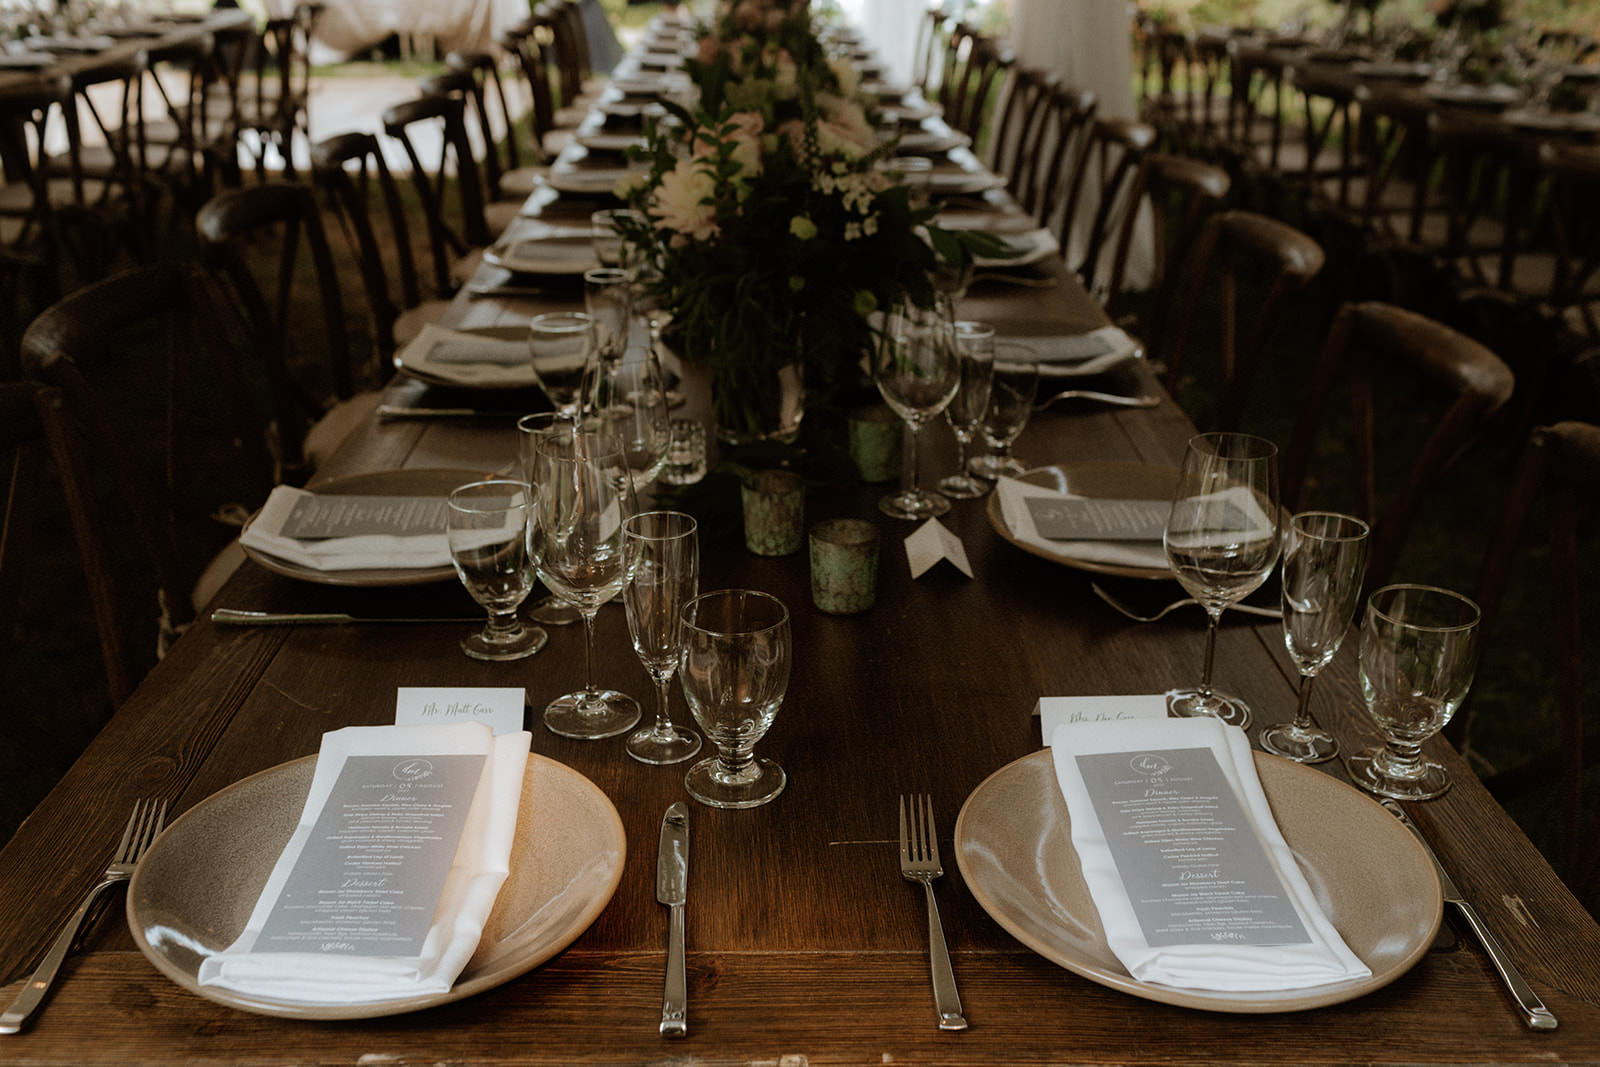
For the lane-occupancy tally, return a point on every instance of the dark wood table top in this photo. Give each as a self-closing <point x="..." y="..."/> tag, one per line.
<point x="805" y="944"/>
<point x="17" y="82"/>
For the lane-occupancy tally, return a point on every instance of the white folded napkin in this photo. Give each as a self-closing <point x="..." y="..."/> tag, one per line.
<point x="1301" y="948"/>
<point x="1013" y="496"/>
<point x="1076" y="355"/>
<point x="468" y="358"/>
<point x="367" y="551"/>
<point x="482" y="862"/>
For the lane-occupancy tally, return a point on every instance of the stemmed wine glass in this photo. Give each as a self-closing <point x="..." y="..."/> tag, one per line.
<point x="1222" y="540"/>
<point x="735" y="672"/>
<point x="1324" y="562"/>
<point x="916" y="369"/>
<point x="1419" y="650"/>
<point x="624" y="395"/>
<point x="1011" y="392"/>
<point x="487" y="527"/>
<point x="663" y="559"/>
<point x="975" y="347"/>
<point x="583" y="500"/>
<point x="549" y="610"/>
<point x="608" y="301"/>
<point x="560" y="345"/>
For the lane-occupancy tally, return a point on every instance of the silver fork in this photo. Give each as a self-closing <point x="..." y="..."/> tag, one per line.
<point x="1118" y="399"/>
<point x="919" y="862"/>
<point x="143" y="827"/>
<point x="1123" y="609"/>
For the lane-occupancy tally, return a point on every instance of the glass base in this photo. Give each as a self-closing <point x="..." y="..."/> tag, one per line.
<point x="1310" y="744"/>
<point x="963" y="487"/>
<point x="673" y="744"/>
<point x="518" y="643"/>
<point x="1189" y="704"/>
<point x="760" y="782"/>
<point x="552" y="611"/>
<point x="913" y="504"/>
<point x="992" y="467"/>
<point x="1377" y="771"/>
<point x="590" y="715"/>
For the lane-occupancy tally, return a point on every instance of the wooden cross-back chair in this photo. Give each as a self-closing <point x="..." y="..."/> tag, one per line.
<point x="1053" y="154"/>
<point x="980" y="66"/>
<point x="1234" y="246"/>
<point x="1014" y="145"/>
<point x="172" y="146"/>
<point x="138" y="376"/>
<point x="537" y="65"/>
<point x="313" y="393"/>
<point x="1110" y="170"/>
<point x="928" y="49"/>
<point x="1182" y="193"/>
<point x="447" y="240"/>
<point x="505" y="178"/>
<point x="1367" y="349"/>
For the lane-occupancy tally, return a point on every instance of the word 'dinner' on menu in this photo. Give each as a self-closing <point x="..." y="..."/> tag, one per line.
<point x="1193" y="867"/>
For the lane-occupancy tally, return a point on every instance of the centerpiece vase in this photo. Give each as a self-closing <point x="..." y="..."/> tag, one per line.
<point x="759" y="401"/>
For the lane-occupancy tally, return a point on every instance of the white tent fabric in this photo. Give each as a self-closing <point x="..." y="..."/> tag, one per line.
<point x="350" y="26"/>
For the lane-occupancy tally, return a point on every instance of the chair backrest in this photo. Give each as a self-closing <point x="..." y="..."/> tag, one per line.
<point x="928" y="49"/>
<point x="982" y="67"/>
<point x="1023" y="100"/>
<point x="500" y="152"/>
<point x="138" y="378"/>
<point x="1182" y="193"/>
<point x="302" y="384"/>
<point x="1573" y="176"/>
<point x="1489" y="195"/>
<point x="570" y="49"/>
<point x="1232" y="246"/>
<point x="1373" y="346"/>
<point x="1111" y="172"/>
<point x="535" y="61"/>
<point x="1056" y="149"/>
<point x="446" y="240"/>
<point x="1398" y="156"/>
<point x="350" y="168"/>
<point x="1561" y="466"/>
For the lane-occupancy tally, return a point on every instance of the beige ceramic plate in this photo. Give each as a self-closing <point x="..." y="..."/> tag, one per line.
<point x="1013" y="842"/>
<point x="197" y="885"/>
<point x="1097" y="480"/>
<point x="379" y="483"/>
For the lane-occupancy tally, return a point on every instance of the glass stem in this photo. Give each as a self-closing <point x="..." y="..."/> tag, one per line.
<point x="663" y="718"/>
<point x="502" y="623"/>
<point x="1302" y="714"/>
<point x="1405" y="759"/>
<point x="1212" y="618"/>
<point x="910" y="468"/>
<point x="588" y="650"/>
<point x="961" y="453"/>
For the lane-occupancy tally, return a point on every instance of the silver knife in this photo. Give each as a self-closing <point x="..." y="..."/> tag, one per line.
<point x="672" y="885"/>
<point x="395" y="411"/>
<point x="237" y="617"/>
<point x="1534" y="1013"/>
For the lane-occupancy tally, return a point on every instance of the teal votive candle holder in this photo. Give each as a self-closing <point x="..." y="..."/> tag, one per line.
<point x="774" y="510"/>
<point x="844" y="566"/>
<point x="876" y="433"/>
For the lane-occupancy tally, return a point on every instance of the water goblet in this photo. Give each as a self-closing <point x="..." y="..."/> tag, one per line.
<point x="560" y="345"/>
<point x="1324" y="562"/>
<point x="583" y="500"/>
<point x="917" y="372"/>
<point x="1419" y="650"/>
<point x="487" y="528"/>
<point x="549" y="610"/>
<point x="624" y="396"/>
<point x="1222" y="540"/>
<point x="608" y="301"/>
<point x="975" y="347"/>
<point x="1014" y="385"/>
<point x="663" y="560"/>
<point x="735" y="672"/>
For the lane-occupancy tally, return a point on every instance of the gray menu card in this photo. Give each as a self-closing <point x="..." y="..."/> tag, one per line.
<point x="1193" y="868"/>
<point x="316" y="516"/>
<point x="368" y="881"/>
<point x="1079" y="519"/>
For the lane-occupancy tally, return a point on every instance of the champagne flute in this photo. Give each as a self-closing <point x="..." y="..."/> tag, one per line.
<point x="560" y="345"/>
<point x="975" y="347"/>
<point x="624" y="396"/>
<point x="1011" y="392"/>
<point x="487" y="527"/>
<point x="1419" y="650"/>
<point x="735" y="672"/>
<point x="584" y="498"/>
<point x="608" y="301"/>
<point x="1222" y="540"/>
<point x="663" y="560"/>
<point x="916" y="370"/>
<point x="549" y="610"/>
<point x="1324" y="562"/>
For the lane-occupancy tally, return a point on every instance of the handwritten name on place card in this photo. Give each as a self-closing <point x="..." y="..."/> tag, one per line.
<point x="1059" y="711"/>
<point x="501" y="709"/>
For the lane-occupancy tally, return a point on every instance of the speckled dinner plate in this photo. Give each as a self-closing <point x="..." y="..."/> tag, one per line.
<point x="1013" y="841"/>
<point x="196" y="887"/>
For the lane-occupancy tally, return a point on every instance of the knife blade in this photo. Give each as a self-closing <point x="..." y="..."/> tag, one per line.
<point x="238" y="617"/>
<point x="1534" y="1013"/>
<point x="672" y="886"/>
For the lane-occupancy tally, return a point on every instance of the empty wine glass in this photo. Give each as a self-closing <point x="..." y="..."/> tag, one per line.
<point x="1419" y="650"/>
<point x="583" y="500"/>
<point x="1324" y="562"/>
<point x="1222" y="540"/>
<point x="560" y="345"/>
<point x="608" y="301"/>
<point x="735" y="672"/>
<point x="975" y="348"/>
<point x="487" y="527"/>
<point x="623" y="395"/>
<point x="549" y="610"/>
<point x="663" y="560"/>
<point x="1011" y="391"/>
<point x="916" y="369"/>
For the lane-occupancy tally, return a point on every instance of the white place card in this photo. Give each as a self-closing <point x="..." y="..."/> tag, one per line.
<point x="932" y="542"/>
<point x="501" y="709"/>
<point x="1057" y="711"/>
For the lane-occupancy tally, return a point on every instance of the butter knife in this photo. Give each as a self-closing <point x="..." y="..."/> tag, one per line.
<point x="237" y="617"/>
<point x="672" y="885"/>
<point x="1534" y="1013"/>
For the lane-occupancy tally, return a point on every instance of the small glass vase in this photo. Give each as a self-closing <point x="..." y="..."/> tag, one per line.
<point x="759" y="403"/>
